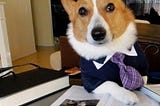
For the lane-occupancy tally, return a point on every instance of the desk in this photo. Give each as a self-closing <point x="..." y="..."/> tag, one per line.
<point x="106" y="99"/>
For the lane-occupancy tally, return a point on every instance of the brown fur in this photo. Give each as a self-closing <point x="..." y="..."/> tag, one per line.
<point x="117" y="20"/>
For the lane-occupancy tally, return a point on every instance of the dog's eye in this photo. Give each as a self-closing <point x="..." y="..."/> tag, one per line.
<point x="110" y="7"/>
<point x="83" y="11"/>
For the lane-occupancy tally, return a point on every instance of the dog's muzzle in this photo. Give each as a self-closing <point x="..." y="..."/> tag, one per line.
<point x="98" y="34"/>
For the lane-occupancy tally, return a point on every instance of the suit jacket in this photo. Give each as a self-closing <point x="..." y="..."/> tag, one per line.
<point x="92" y="76"/>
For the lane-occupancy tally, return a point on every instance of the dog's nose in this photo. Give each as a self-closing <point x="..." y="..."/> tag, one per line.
<point x="98" y="33"/>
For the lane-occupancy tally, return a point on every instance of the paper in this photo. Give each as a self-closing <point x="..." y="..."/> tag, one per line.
<point x="71" y="102"/>
<point x="152" y="90"/>
<point x="79" y="93"/>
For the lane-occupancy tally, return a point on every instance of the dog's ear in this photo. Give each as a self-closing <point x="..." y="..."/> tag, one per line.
<point x="69" y="7"/>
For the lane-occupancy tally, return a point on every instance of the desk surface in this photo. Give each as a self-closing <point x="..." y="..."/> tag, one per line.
<point x="47" y="101"/>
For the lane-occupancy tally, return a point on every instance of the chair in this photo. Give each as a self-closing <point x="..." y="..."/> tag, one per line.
<point x="142" y="21"/>
<point x="66" y="57"/>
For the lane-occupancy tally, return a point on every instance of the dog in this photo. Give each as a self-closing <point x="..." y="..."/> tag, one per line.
<point x="102" y="28"/>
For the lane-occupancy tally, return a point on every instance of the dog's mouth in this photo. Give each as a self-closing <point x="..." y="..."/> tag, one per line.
<point x="98" y="36"/>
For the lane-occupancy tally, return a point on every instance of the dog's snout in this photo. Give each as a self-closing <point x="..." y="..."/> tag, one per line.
<point x="98" y="33"/>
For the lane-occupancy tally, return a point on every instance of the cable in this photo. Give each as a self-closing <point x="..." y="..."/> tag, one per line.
<point x="11" y="67"/>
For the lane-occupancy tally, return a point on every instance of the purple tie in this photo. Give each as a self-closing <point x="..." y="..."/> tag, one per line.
<point x="130" y="77"/>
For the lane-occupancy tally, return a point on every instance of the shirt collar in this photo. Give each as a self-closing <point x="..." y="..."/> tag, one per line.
<point x="131" y="52"/>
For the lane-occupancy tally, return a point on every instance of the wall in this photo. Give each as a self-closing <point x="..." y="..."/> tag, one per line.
<point x="20" y="28"/>
<point x="42" y="22"/>
<point x="5" y="55"/>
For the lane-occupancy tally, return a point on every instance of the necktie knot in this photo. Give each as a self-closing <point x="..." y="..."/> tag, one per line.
<point x="118" y="58"/>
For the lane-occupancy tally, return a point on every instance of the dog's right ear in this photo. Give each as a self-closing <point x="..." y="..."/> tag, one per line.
<point x="69" y="7"/>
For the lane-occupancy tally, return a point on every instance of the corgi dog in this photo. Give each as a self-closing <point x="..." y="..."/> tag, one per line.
<point x="101" y="28"/>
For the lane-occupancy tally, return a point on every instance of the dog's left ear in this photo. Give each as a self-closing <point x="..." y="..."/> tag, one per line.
<point x="69" y="7"/>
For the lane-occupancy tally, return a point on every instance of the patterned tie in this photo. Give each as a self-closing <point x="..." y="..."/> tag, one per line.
<point x="130" y="77"/>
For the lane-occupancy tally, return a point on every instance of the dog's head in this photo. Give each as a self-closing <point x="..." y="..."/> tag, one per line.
<point x="99" y="27"/>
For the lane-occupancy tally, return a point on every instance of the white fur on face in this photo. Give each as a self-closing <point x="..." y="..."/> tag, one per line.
<point x="97" y="21"/>
<point x="89" y="51"/>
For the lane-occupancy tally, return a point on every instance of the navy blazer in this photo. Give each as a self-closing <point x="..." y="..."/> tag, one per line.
<point x="93" y="77"/>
